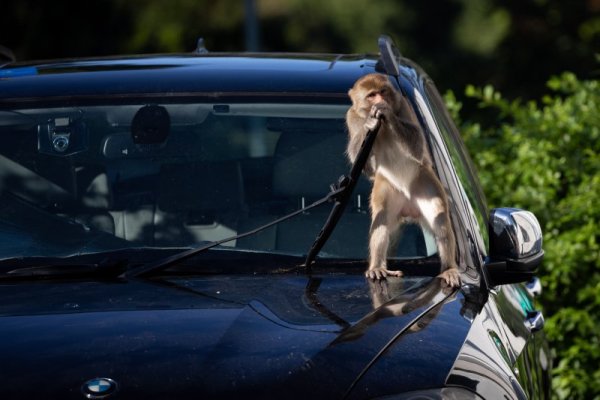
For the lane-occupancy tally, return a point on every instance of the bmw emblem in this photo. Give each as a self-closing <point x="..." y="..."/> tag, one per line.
<point x="99" y="388"/>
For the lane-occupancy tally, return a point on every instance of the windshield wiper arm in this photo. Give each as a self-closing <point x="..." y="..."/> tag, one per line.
<point x="345" y="186"/>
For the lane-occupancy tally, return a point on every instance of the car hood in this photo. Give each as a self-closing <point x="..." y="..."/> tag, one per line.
<point x="229" y="336"/>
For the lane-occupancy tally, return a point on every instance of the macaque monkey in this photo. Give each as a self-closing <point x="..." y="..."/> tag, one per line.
<point x="405" y="186"/>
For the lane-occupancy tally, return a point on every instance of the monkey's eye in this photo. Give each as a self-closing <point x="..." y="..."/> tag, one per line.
<point x="371" y="95"/>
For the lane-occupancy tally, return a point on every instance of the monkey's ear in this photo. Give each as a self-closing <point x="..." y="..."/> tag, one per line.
<point x="353" y="93"/>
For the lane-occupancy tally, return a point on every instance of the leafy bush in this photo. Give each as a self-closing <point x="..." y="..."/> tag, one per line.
<point x="544" y="156"/>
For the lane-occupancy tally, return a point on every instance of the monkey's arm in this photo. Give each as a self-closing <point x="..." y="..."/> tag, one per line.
<point x="404" y="124"/>
<point x="357" y="130"/>
<point x="354" y="143"/>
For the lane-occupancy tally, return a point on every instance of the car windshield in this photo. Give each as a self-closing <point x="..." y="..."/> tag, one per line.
<point x="85" y="179"/>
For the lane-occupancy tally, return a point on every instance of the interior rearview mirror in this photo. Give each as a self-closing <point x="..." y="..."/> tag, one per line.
<point x="515" y="246"/>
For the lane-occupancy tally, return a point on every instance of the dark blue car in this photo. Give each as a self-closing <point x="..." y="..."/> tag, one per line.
<point x="167" y="232"/>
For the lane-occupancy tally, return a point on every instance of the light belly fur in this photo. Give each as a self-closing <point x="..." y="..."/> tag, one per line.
<point x="399" y="171"/>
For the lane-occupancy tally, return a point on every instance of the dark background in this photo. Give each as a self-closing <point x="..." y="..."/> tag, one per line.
<point x="514" y="45"/>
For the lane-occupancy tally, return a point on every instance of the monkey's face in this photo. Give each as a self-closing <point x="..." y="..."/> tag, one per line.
<point x="370" y="90"/>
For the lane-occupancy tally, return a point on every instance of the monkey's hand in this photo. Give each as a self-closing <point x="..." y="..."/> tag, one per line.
<point x="381" y="273"/>
<point x="374" y="119"/>
<point x="451" y="277"/>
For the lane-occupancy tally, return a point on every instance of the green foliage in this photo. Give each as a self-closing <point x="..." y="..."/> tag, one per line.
<point x="544" y="156"/>
<point x="341" y="21"/>
<point x="477" y="17"/>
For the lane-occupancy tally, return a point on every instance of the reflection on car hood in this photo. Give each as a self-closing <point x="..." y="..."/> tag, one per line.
<point x="223" y="336"/>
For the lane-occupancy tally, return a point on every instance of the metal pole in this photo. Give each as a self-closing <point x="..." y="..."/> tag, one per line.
<point x="252" y="31"/>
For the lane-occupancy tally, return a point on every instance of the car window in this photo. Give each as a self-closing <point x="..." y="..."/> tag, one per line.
<point x="461" y="161"/>
<point x="175" y="175"/>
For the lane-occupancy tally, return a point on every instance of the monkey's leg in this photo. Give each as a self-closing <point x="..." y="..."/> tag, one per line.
<point x="429" y="197"/>
<point x="386" y="204"/>
<point x="395" y="236"/>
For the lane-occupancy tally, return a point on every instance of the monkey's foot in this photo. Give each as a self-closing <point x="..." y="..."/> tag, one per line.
<point x="451" y="277"/>
<point x="381" y="273"/>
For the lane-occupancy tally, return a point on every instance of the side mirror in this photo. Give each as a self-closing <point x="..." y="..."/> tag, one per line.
<point x="515" y="246"/>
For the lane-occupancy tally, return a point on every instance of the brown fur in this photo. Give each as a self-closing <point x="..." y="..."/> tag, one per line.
<point x="405" y="187"/>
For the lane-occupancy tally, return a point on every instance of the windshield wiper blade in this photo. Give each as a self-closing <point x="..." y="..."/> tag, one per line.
<point x="64" y="267"/>
<point x="108" y="263"/>
<point x="345" y="186"/>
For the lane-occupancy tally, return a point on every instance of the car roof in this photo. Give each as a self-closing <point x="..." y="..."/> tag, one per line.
<point x="326" y="76"/>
